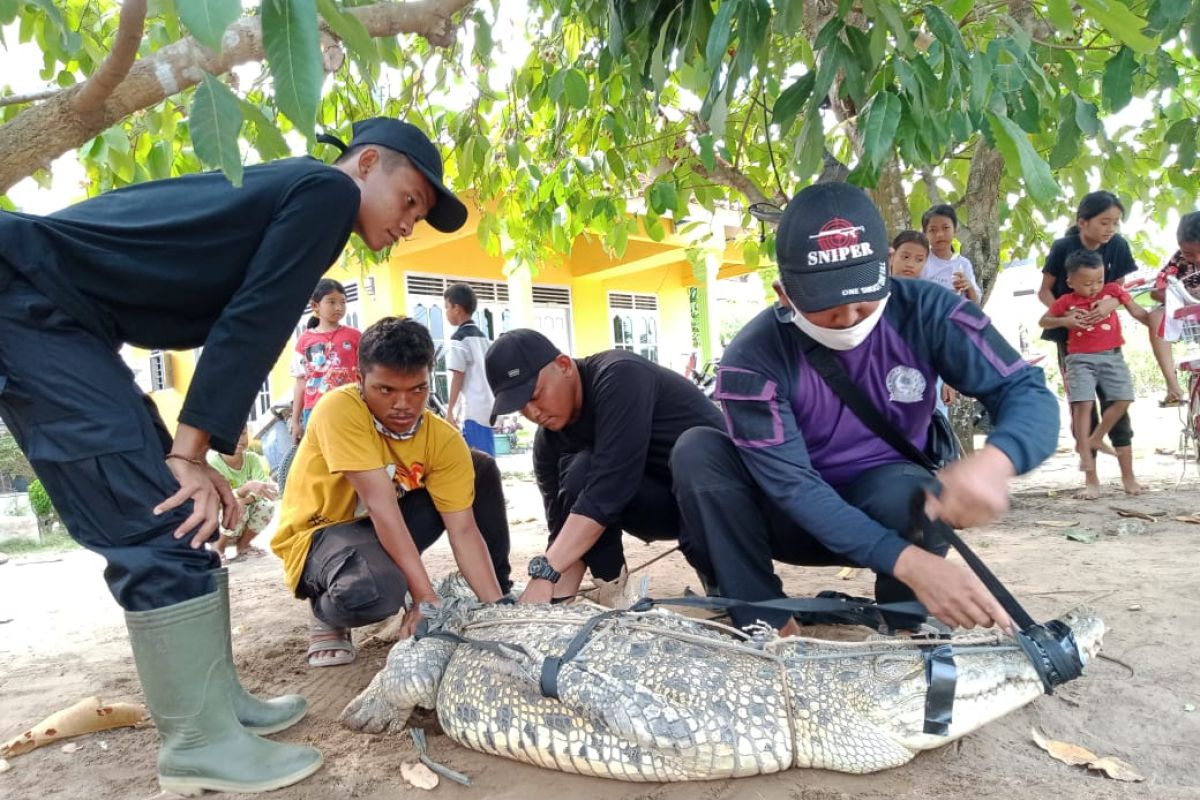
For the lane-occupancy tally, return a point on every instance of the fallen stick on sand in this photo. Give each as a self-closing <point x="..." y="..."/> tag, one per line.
<point x="87" y="716"/>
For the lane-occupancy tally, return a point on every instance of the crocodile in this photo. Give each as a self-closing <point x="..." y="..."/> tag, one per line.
<point x="657" y="696"/>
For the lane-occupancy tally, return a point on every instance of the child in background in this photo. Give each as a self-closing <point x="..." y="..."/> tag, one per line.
<point x="946" y="267"/>
<point x="1094" y="357"/>
<point x="1096" y="222"/>
<point x="909" y="253"/>
<point x="1184" y="266"/>
<point x="326" y="354"/>
<point x="255" y="492"/>
<point x="468" y="381"/>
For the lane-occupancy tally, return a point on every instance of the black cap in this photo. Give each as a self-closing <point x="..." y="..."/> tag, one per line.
<point x="832" y="248"/>
<point x="448" y="213"/>
<point x="513" y="363"/>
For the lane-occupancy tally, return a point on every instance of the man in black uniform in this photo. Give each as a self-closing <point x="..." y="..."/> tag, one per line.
<point x="607" y="424"/>
<point x="184" y="263"/>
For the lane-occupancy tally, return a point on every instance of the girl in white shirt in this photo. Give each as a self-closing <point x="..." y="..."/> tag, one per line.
<point x="945" y="266"/>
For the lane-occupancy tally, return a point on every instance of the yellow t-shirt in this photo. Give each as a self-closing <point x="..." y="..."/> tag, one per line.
<point x="341" y="437"/>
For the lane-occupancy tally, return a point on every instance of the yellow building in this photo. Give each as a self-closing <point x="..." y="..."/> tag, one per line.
<point x="588" y="303"/>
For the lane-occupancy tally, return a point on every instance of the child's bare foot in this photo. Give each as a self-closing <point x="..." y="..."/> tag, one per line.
<point x="1100" y="446"/>
<point x="1090" y="491"/>
<point x="1132" y="487"/>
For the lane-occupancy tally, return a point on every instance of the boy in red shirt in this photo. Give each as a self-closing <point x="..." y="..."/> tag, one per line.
<point x="1093" y="355"/>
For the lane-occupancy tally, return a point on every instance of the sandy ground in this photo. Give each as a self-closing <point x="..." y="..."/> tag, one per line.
<point x="62" y="638"/>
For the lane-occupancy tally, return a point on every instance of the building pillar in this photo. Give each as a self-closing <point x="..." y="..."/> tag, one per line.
<point x="708" y="317"/>
<point x="520" y="293"/>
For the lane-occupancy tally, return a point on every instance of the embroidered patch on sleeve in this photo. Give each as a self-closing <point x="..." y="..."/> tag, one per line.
<point x="750" y="406"/>
<point x="987" y="340"/>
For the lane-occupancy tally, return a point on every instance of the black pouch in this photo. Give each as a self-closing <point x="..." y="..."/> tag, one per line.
<point x="941" y="446"/>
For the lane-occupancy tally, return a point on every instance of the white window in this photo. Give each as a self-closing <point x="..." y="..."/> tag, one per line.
<point x="160" y="370"/>
<point x="262" y="402"/>
<point x="634" y="323"/>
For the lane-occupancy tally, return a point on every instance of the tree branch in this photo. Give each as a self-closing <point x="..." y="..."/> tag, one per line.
<point x="42" y="132"/>
<point x="931" y="188"/>
<point x="90" y="99"/>
<point x="31" y="97"/>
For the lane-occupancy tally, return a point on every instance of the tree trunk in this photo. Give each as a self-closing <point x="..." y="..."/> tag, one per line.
<point x="979" y="232"/>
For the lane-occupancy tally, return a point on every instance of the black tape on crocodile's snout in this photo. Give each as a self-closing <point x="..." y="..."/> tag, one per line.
<point x="1054" y="652"/>
<point x="941" y="679"/>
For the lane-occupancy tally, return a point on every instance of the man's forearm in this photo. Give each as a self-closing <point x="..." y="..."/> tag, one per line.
<point x="577" y="536"/>
<point x="397" y="542"/>
<point x="190" y="442"/>
<point x="456" y="383"/>
<point x="471" y="555"/>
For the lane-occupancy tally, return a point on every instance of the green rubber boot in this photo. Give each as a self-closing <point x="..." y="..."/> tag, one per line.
<point x="182" y="660"/>
<point x="256" y="715"/>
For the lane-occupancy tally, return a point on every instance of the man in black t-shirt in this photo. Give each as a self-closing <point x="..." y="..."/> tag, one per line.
<point x="606" y="427"/>
<point x="183" y="263"/>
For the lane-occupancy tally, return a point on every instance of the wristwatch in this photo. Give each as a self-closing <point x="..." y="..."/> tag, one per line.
<point x="539" y="567"/>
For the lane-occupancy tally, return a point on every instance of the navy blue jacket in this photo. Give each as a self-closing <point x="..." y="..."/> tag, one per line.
<point x="800" y="442"/>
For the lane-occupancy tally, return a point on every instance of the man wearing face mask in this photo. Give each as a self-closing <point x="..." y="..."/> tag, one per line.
<point x="798" y="477"/>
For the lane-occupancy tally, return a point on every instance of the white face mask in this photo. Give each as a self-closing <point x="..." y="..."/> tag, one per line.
<point x="842" y="338"/>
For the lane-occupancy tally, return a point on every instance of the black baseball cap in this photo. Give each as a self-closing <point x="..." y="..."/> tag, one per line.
<point x="832" y="248"/>
<point x="512" y="364"/>
<point x="448" y="213"/>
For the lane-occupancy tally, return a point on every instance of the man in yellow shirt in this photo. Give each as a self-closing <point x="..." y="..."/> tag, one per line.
<point x="375" y="481"/>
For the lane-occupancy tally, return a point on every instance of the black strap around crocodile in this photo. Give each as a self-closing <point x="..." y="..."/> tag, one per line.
<point x="1050" y="647"/>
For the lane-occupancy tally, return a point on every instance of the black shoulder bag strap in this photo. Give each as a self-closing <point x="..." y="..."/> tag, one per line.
<point x="1054" y="657"/>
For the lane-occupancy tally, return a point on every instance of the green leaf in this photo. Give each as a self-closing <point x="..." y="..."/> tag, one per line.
<point x="292" y="43"/>
<point x="1066" y="145"/>
<point x="351" y="31"/>
<point x="575" y="87"/>
<point x="1164" y="13"/>
<point x="268" y="141"/>
<point x="718" y="35"/>
<point x="1087" y="116"/>
<point x="1016" y="148"/>
<point x="828" y="33"/>
<point x="810" y="145"/>
<point x="946" y="32"/>
<point x="1193" y="30"/>
<point x="891" y="15"/>
<point x="791" y="100"/>
<point x="616" y="164"/>
<point x="1121" y="23"/>
<point x="878" y="128"/>
<point x="1179" y="131"/>
<point x="707" y="155"/>
<point x="159" y="159"/>
<point x="1117" y="83"/>
<point x="208" y="19"/>
<point x="981" y="82"/>
<point x="1061" y="15"/>
<point x="215" y="120"/>
<point x="1168" y="74"/>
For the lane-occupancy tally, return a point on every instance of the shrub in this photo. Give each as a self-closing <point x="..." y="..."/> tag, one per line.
<point x="39" y="501"/>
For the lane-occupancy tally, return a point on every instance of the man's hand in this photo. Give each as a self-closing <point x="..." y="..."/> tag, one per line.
<point x="1075" y="319"/>
<point x="294" y="428"/>
<point x="950" y="592"/>
<point x="537" y="592"/>
<point x="1100" y="310"/>
<point x="948" y="394"/>
<point x="974" y="489"/>
<point x="210" y="494"/>
<point x="413" y="616"/>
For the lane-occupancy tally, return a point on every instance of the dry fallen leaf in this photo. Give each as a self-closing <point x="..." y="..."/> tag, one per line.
<point x="4" y="765"/>
<point x="1129" y="512"/>
<point x="848" y="573"/>
<point x="1056" y="523"/>
<point x="1116" y="769"/>
<point x="1135" y="606"/>
<point x="419" y="775"/>
<point x="1192" y="518"/>
<point x="1065" y="752"/>
<point x="71" y="747"/>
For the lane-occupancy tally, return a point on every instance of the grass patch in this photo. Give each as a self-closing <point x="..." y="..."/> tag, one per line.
<point x="57" y="541"/>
